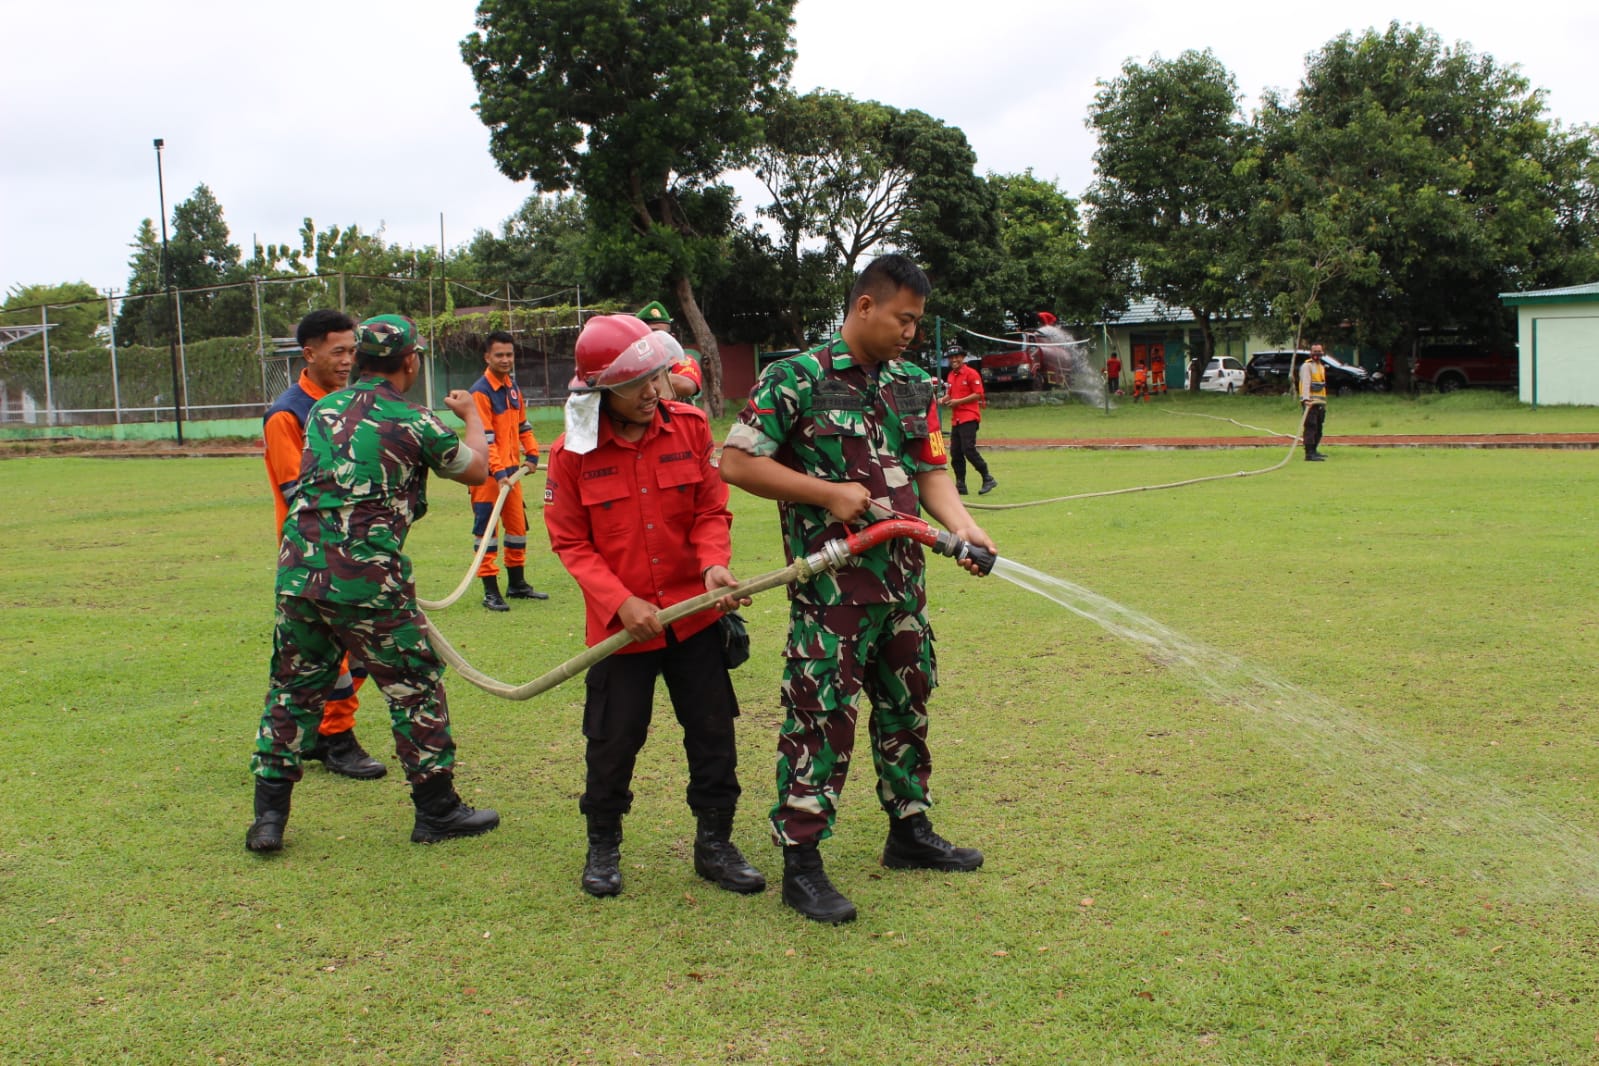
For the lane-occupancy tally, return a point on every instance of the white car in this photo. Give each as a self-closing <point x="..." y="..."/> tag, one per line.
<point x="1222" y="374"/>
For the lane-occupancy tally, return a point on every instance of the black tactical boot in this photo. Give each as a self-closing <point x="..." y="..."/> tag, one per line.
<point x="989" y="485"/>
<point x="491" y="595"/>
<point x="440" y="814"/>
<point x="717" y="858"/>
<point x="602" y="873"/>
<point x="519" y="589"/>
<point x="960" y="487"/>
<point x="271" y="814"/>
<point x="807" y="889"/>
<point x="912" y="845"/>
<point x="342" y="754"/>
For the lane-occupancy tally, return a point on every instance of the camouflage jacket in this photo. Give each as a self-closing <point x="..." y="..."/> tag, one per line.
<point x="821" y="414"/>
<point x="363" y="481"/>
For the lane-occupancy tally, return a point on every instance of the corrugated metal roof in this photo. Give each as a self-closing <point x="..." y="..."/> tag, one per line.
<point x="1146" y="312"/>
<point x="1568" y="292"/>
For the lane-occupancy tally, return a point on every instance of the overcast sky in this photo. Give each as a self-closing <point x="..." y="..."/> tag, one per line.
<point x="355" y="111"/>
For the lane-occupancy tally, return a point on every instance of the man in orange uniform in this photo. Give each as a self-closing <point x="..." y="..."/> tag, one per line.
<point x="327" y="341"/>
<point x="1157" y="374"/>
<point x="1140" y="382"/>
<point x="637" y="512"/>
<point x="505" y="424"/>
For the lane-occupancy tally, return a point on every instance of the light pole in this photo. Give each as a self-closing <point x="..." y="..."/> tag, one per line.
<point x="166" y="277"/>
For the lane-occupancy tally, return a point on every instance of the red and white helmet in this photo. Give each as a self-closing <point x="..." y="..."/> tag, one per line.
<point x="616" y="350"/>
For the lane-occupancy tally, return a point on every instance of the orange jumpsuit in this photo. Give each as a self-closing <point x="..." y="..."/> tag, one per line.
<point x="1140" y="383"/>
<point x="505" y="426"/>
<point x="283" y="437"/>
<point x="1157" y="376"/>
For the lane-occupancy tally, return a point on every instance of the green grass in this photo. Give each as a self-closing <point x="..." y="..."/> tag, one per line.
<point x="1175" y="873"/>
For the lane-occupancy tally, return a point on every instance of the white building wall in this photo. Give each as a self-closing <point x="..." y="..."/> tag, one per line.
<point x="1559" y="352"/>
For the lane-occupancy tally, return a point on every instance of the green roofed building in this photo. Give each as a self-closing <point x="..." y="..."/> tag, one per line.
<point x="1559" y="335"/>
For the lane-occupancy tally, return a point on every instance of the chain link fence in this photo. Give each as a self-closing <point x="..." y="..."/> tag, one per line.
<point x="224" y="382"/>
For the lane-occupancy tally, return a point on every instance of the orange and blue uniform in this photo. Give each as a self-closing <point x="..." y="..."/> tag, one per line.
<point x="283" y="438"/>
<point x="506" y="428"/>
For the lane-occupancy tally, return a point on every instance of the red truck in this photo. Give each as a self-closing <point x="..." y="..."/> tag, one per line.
<point x="1450" y="364"/>
<point x="1030" y="366"/>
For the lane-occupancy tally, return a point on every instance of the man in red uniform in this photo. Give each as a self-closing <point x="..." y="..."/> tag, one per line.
<point x="964" y="397"/>
<point x="638" y="515"/>
<point x="1113" y="374"/>
<point x="327" y="341"/>
<point x="505" y="424"/>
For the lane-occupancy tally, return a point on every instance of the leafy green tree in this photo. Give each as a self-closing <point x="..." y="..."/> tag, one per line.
<point x="1171" y="196"/>
<point x="546" y="241"/>
<point x="76" y="315"/>
<point x="203" y="259"/>
<point x="1045" y="263"/>
<point x="1431" y="179"/>
<point x="636" y="106"/>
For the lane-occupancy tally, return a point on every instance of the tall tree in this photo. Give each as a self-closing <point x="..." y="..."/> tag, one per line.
<point x="634" y="105"/>
<point x="203" y="258"/>
<point x="1438" y="166"/>
<point x="1170" y="198"/>
<point x="76" y="314"/>
<point x="545" y="241"/>
<point x="1045" y="263"/>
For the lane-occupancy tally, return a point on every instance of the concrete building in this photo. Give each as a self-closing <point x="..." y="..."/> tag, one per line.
<point x="1559" y="342"/>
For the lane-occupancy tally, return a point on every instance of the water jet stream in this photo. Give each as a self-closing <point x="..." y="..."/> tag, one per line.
<point x="1491" y="834"/>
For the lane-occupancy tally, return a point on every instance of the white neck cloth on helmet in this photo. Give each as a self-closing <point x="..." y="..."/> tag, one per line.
<point x="583" y="421"/>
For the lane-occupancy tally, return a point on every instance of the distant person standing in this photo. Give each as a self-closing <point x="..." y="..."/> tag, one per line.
<point x="327" y="343"/>
<point x="1157" y="374"/>
<point x="1113" y="375"/>
<point x="964" y="397"/>
<point x="1313" y="398"/>
<point x="510" y="436"/>
<point x="1140" y="382"/>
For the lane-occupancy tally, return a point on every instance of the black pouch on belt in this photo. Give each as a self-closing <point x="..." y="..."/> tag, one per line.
<point x="735" y="639"/>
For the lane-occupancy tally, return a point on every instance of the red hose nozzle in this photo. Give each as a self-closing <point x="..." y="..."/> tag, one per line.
<point x="915" y="529"/>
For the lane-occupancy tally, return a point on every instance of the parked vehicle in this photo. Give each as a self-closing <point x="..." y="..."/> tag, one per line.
<point x="1450" y="364"/>
<point x="1222" y="374"/>
<point x="1276" y="372"/>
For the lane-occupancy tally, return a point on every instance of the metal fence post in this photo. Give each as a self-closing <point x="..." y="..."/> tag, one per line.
<point x="111" y="329"/>
<point x="49" y="400"/>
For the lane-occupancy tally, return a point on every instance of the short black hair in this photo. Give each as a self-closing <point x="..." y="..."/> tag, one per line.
<point x="887" y="274"/>
<point x="499" y="336"/>
<point x="318" y="324"/>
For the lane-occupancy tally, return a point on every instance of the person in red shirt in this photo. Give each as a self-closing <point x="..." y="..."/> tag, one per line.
<point x="964" y="397"/>
<point x="1113" y="374"/>
<point x="327" y="343"/>
<point x="637" y="512"/>
<point x="505" y="424"/>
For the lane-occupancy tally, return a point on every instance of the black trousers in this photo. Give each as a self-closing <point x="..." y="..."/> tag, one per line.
<point x="963" y="446"/>
<point x="617" y="712"/>
<point x="1315" y="416"/>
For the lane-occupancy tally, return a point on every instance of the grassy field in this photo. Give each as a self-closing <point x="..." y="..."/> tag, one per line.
<point x="1339" y="806"/>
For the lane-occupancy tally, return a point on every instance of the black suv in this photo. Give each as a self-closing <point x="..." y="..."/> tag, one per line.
<point x="1276" y="372"/>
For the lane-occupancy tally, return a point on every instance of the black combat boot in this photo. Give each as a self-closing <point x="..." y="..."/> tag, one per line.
<point x="518" y="589"/>
<point x="602" y="872"/>
<point x="440" y="814"/>
<point x="342" y="754"/>
<point x="807" y="889"/>
<point x="989" y="485"/>
<point x="271" y="814"/>
<point x="717" y="858"/>
<point x="912" y="845"/>
<point x="960" y="487"/>
<point x="491" y="595"/>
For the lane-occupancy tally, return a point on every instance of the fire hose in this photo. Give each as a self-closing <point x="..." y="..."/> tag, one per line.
<point x="832" y="555"/>
<point x="482" y="548"/>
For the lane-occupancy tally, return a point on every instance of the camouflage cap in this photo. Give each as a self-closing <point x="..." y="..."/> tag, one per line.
<point x="387" y="337"/>
<point x="654" y="313"/>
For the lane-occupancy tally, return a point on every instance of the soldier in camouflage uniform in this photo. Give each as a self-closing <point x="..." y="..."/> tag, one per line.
<point x="344" y="583"/>
<point x="833" y="434"/>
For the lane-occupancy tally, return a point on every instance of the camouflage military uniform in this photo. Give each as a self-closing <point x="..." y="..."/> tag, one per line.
<point x="344" y="583"/>
<point x="863" y="627"/>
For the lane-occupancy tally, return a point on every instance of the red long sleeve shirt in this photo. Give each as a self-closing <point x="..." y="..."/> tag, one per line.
<point x="641" y="518"/>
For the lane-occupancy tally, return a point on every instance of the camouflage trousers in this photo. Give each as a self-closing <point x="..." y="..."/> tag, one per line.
<point x="833" y="654"/>
<point x="309" y="641"/>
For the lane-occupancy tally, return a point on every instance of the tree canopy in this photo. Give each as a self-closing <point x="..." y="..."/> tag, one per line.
<point x="637" y="106"/>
